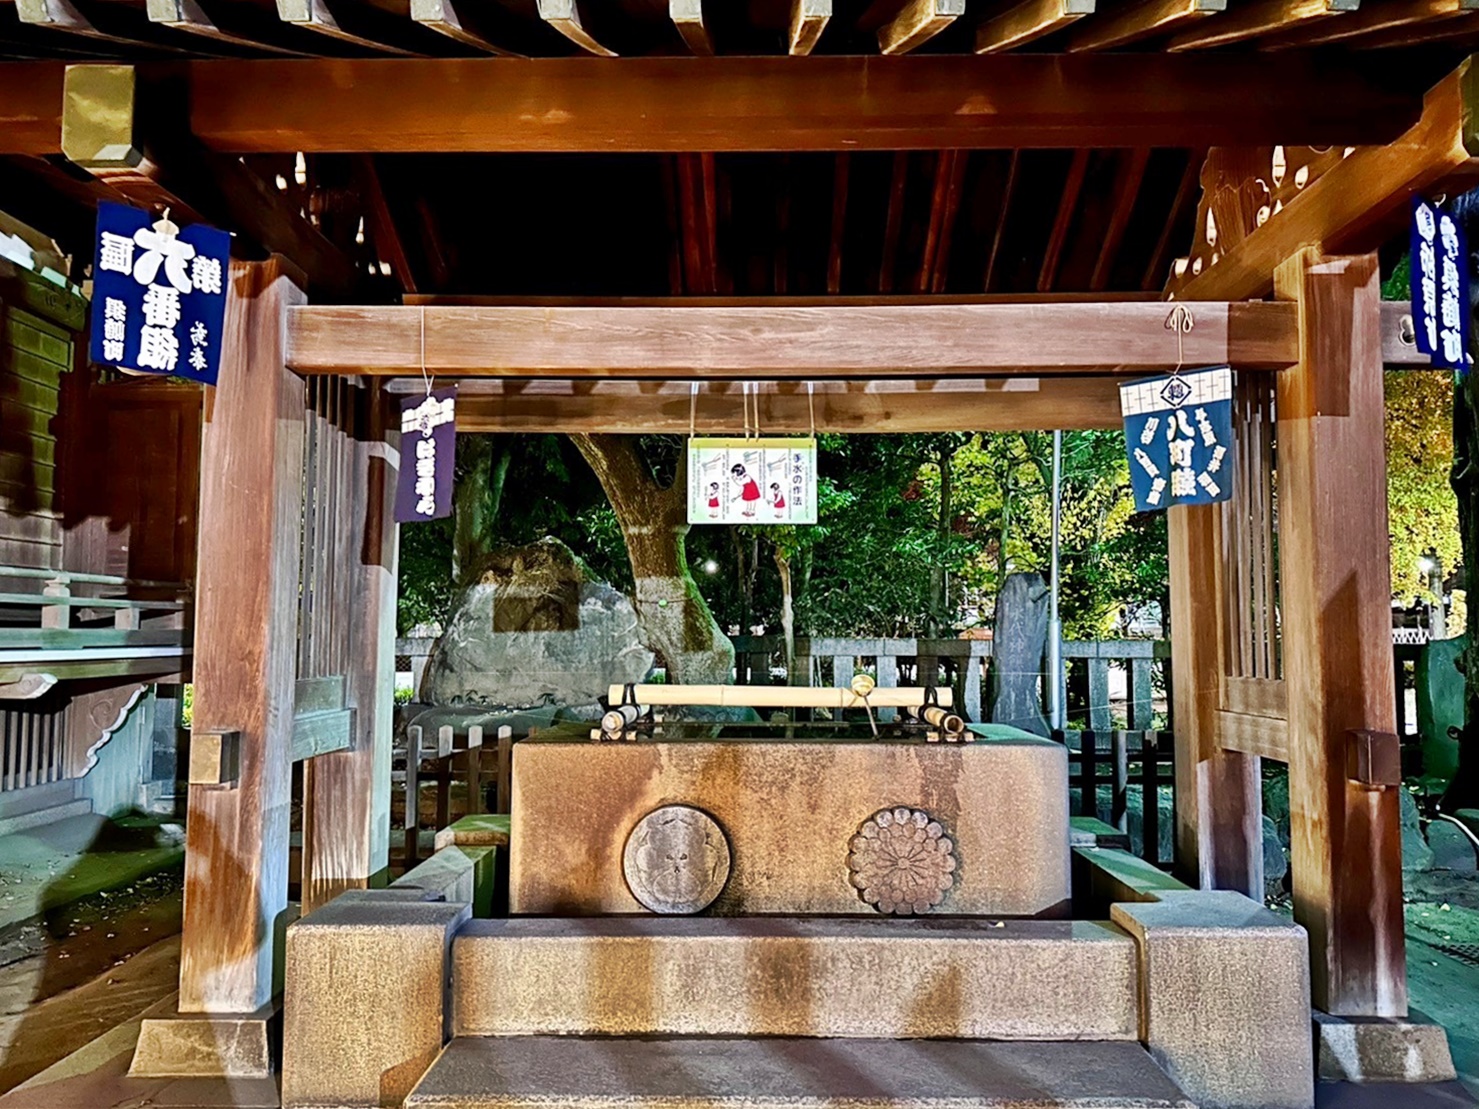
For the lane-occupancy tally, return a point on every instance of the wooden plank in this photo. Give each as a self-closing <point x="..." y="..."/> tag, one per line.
<point x="1127" y="191"/>
<point x="245" y="628"/>
<point x="1260" y="736"/>
<point x="1370" y="19"/>
<point x="1345" y="841"/>
<point x="1256" y="19"/>
<point x="808" y="21"/>
<point x="920" y="21"/>
<point x="1398" y="348"/>
<point x="1136" y="21"/>
<point x="806" y="342"/>
<point x="1027" y="22"/>
<point x="780" y="696"/>
<point x="1357" y="204"/>
<point x="883" y="407"/>
<point x="31" y="108"/>
<point x="688" y="19"/>
<point x="458" y="22"/>
<point x="567" y="17"/>
<point x="1219" y="793"/>
<point x="73" y="639"/>
<point x="165" y="666"/>
<point x="1256" y="697"/>
<point x="758" y="103"/>
<point x="1067" y="208"/>
<point x="321" y="733"/>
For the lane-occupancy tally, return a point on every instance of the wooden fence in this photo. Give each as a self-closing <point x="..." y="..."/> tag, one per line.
<point x="1114" y="774"/>
<point x="33" y="745"/>
<point x="486" y="770"/>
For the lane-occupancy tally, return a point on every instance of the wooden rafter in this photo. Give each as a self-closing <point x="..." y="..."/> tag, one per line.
<point x="840" y="171"/>
<point x="934" y="266"/>
<point x="920" y="21"/>
<point x="317" y="16"/>
<point x="688" y="18"/>
<point x="1028" y="21"/>
<point x="1127" y="190"/>
<point x="1358" y="202"/>
<point x="1142" y="20"/>
<point x="383" y="232"/>
<point x="1419" y="34"/>
<point x="567" y="17"/>
<point x="893" y="222"/>
<point x="459" y="22"/>
<point x="1157" y="269"/>
<point x="1254" y="20"/>
<point x="994" y="253"/>
<point x="958" y="339"/>
<point x="808" y="20"/>
<point x="190" y="18"/>
<point x="569" y="406"/>
<point x="1392" y="16"/>
<point x="66" y="17"/>
<point x="1067" y="207"/>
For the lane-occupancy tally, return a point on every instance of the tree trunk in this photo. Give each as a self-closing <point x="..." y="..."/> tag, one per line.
<point x="675" y="619"/>
<point x="475" y="502"/>
<point x="788" y="619"/>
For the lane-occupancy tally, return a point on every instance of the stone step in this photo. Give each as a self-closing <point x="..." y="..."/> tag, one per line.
<point x="593" y="1073"/>
<point x="37" y="818"/>
<point x="777" y="976"/>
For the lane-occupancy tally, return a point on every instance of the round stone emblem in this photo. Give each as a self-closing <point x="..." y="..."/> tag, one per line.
<point x="902" y="861"/>
<point x="676" y="860"/>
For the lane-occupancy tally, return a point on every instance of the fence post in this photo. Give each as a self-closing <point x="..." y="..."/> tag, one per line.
<point x="1142" y="708"/>
<point x="413" y="792"/>
<point x="842" y="666"/>
<point x="1119" y="814"/>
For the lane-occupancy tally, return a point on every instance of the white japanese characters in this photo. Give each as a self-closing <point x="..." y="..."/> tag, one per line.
<point x="1178" y="432"/>
<point x="424" y="419"/>
<point x="1439" y="286"/>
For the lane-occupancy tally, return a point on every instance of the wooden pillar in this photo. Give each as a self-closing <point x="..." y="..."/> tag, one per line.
<point x="1219" y="802"/>
<point x="1345" y="843"/>
<point x="246" y="623"/>
<point x="346" y="794"/>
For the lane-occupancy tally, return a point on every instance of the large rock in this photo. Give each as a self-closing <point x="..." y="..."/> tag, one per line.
<point x="1017" y="653"/>
<point x="1275" y="861"/>
<point x="534" y="629"/>
<point x="1416" y="854"/>
<point x="1452" y="848"/>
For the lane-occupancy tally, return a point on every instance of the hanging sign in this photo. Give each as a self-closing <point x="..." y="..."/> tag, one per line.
<point x="428" y="451"/>
<point x="1178" y="432"/>
<point x="752" y="481"/>
<point x="159" y="294"/>
<point x="1440" y="286"/>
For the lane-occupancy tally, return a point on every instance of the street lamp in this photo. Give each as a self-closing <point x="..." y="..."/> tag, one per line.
<point x="1431" y="565"/>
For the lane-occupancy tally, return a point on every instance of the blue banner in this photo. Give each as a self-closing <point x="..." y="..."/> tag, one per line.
<point x="1440" y="286"/>
<point x="1178" y="434"/>
<point x="159" y="295"/>
<point x="428" y="451"/>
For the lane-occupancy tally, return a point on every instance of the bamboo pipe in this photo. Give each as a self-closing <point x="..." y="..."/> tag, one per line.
<point x="781" y="696"/>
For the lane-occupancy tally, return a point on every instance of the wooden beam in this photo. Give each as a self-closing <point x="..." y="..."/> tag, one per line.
<point x="992" y="254"/>
<point x="566" y="17"/>
<point x="893" y="222"/>
<point x="831" y="103"/>
<point x="31" y="108"/>
<point x="688" y="18"/>
<point x="1398" y="348"/>
<point x="808" y="21"/>
<point x="1127" y="191"/>
<point x="1143" y="20"/>
<point x="1256" y="19"/>
<point x="1250" y="734"/>
<point x="317" y="16"/>
<point x="1335" y="586"/>
<point x="920" y="21"/>
<point x="1420" y="34"/>
<point x="1028" y="21"/>
<point x="1371" y="19"/>
<point x="1158" y="269"/>
<point x="571" y="407"/>
<point x="840" y="171"/>
<point x="458" y="22"/>
<point x="126" y="137"/>
<point x="1067" y="206"/>
<point x="1357" y="204"/>
<point x="246" y="626"/>
<point x="66" y="17"/>
<point x="190" y="18"/>
<point x="966" y="339"/>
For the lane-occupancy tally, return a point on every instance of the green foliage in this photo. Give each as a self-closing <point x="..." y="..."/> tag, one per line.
<point x="1421" y="507"/>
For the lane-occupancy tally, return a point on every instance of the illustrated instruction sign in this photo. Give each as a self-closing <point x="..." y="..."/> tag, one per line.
<point x="1440" y="286"/>
<point x="1178" y="433"/>
<point x="159" y="294"/>
<point x="752" y="481"/>
<point x="428" y="452"/>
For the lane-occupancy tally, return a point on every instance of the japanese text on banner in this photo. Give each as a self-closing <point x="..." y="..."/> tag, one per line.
<point x="1178" y="434"/>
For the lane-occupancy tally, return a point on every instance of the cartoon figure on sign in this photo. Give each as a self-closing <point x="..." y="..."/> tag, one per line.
<point x="778" y="500"/>
<point x="713" y="500"/>
<point x="749" y="491"/>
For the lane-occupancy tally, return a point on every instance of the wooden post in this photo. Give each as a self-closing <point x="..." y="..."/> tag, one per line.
<point x="246" y="627"/>
<point x="347" y="793"/>
<point x="1345" y="841"/>
<point x="1219" y="800"/>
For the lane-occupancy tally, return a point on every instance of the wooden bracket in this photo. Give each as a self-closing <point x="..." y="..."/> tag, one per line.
<point x="1373" y="760"/>
<point x="215" y="758"/>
